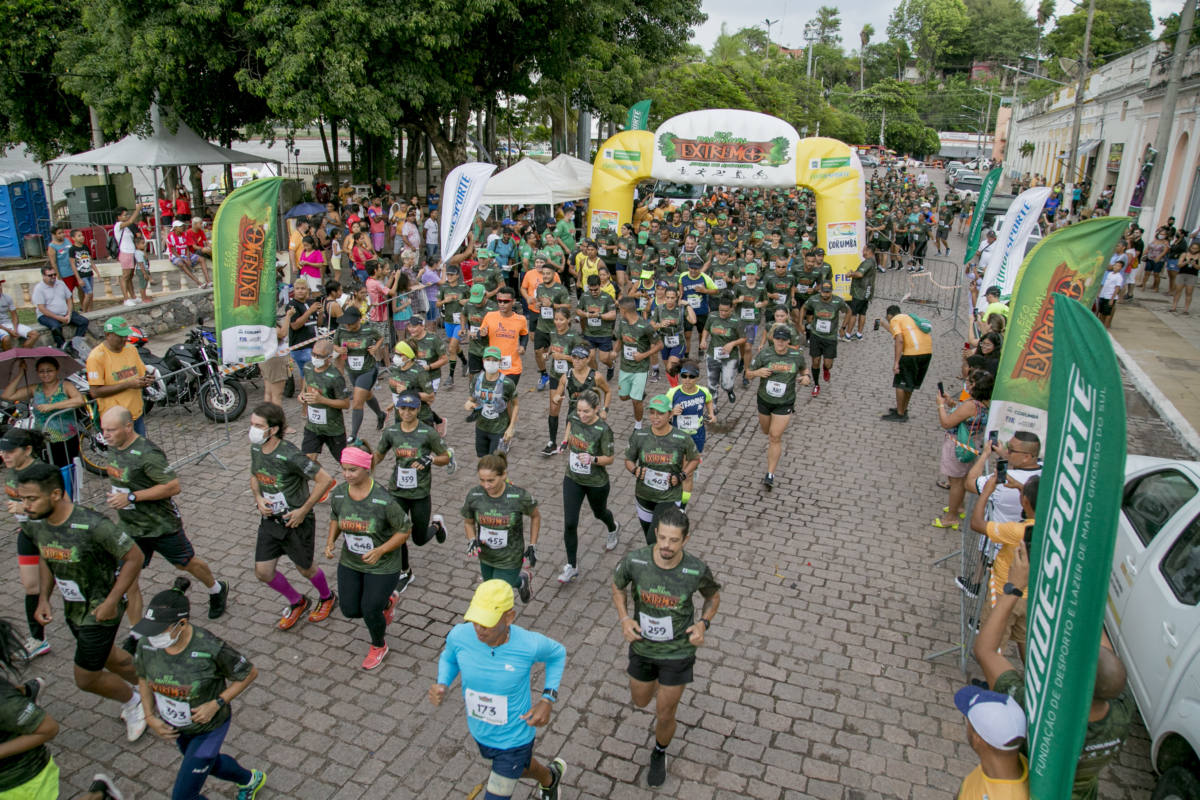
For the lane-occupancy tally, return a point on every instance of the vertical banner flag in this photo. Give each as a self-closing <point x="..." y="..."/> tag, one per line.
<point x="244" y="271"/>
<point x="639" y="116"/>
<point x="1009" y="250"/>
<point x="1070" y="261"/>
<point x="461" y="197"/>
<point x="990" y="181"/>
<point x="1074" y="536"/>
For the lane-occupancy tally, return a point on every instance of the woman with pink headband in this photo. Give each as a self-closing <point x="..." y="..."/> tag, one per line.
<point x="373" y="529"/>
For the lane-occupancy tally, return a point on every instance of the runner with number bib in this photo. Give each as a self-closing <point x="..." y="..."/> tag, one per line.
<point x="562" y="343"/>
<point x="778" y="365"/>
<point x="493" y="518"/>
<point x="16" y="450"/>
<point x="588" y="444"/>
<point x="691" y="405"/>
<point x="660" y="458"/>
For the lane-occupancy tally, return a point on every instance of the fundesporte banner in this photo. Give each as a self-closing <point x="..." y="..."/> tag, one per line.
<point x="244" y="239"/>
<point x="727" y="147"/>
<point x="461" y="197"/>
<point x="980" y="217"/>
<point x="1073" y="539"/>
<point x="1009" y="251"/>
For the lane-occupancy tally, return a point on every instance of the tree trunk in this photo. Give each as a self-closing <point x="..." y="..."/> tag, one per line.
<point x="451" y="147"/>
<point x="353" y="156"/>
<point x="325" y="147"/>
<point x="336" y="182"/>
<point x="198" y="208"/>
<point x="410" y="161"/>
<point x="428" y="160"/>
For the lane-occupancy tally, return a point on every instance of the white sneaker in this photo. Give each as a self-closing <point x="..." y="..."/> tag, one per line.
<point x="35" y="647"/>
<point x="568" y="574"/>
<point x="614" y="537"/>
<point x="130" y="302"/>
<point x="135" y="721"/>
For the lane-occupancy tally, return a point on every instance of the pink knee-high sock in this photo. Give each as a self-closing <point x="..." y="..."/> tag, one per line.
<point x="320" y="584"/>
<point x="281" y="584"/>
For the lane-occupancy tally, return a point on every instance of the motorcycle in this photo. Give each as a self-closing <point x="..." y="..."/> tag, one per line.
<point x="191" y="372"/>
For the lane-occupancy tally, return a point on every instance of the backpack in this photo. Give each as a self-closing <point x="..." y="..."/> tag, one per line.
<point x="925" y="325"/>
<point x="113" y="247"/>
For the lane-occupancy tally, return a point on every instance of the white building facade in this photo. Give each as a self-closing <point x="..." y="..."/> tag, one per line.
<point x="1121" y="113"/>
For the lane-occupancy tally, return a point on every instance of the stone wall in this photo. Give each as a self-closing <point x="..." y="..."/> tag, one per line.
<point x="178" y="310"/>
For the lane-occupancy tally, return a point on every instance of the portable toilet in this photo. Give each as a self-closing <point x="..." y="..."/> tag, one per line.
<point x="39" y="209"/>
<point x="13" y="213"/>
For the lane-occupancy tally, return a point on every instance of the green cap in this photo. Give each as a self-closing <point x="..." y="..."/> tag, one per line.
<point x="645" y="224"/>
<point x="660" y="403"/>
<point x="750" y="269"/>
<point x="477" y="292"/>
<point x="722" y="216"/>
<point x="647" y="274"/>
<point x="757" y="235"/>
<point x="484" y="253"/>
<point x="643" y="237"/>
<point x="492" y="352"/>
<point x="669" y="260"/>
<point x="117" y="325"/>
<point x="806" y="245"/>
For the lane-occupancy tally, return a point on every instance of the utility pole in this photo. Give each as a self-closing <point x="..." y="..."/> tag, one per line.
<point x="810" y="37"/>
<point x="767" y="49"/>
<point x="1162" y="140"/>
<point x="1073" y="154"/>
<point x="882" y="123"/>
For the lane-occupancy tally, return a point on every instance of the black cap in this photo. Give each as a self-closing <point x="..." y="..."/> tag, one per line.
<point x="579" y="351"/>
<point x="165" y="609"/>
<point x="408" y="400"/>
<point x="781" y="333"/>
<point x="350" y="316"/>
<point x="14" y="438"/>
<point x="992" y="290"/>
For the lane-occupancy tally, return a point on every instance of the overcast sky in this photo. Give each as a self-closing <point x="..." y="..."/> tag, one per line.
<point x="788" y="18"/>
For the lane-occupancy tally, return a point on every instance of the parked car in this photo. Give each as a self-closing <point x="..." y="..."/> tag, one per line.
<point x="1153" y="613"/>
<point x="951" y="168"/>
<point x="676" y="194"/>
<point x="967" y="183"/>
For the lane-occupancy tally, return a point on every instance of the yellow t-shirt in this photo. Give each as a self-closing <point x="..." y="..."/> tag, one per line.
<point x="1009" y="536"/>
<point x="585" y="267"/>
<point x="978" y="786"/>
<point x="915" y="341"/>
<point x="104" y="368"/>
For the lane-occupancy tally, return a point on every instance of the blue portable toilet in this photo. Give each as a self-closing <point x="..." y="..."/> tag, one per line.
<point x="14" y="214"/>
<point x="39" y="210"/>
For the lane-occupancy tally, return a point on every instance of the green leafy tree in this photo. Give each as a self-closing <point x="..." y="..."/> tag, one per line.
<point x="999" y="30"/>
<point x="1170" y="30"/>
<point x="912" y="138"/>
<point x="864" y="38"/>
<point x="828" y="24"/>
<point x="934" y="29"/>
<point x="1118" y="27"/>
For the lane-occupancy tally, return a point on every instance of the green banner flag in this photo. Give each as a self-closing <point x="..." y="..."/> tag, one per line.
<point x="1070" y="261"/>
<point x="990" y="181"/>
<point x="639" y="116"/>
<point x="1079" y="498"/>
<point x="244" y="271"/>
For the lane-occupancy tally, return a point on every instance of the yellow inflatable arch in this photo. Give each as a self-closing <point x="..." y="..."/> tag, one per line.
<point x="733" y="147"/>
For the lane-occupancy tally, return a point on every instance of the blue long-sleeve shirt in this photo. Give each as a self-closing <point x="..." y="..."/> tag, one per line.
<point x="495" y="681"/>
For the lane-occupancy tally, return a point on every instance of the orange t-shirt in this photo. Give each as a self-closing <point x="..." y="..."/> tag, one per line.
<point x="504" y="333"/>
<point x="914" y="340"/>
<point x="532" y="280"/>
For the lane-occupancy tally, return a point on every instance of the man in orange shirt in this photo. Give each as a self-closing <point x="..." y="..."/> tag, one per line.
<point x="914" y="350"/>
<point x="996" y="731"/>
<point x="507" y="331"/>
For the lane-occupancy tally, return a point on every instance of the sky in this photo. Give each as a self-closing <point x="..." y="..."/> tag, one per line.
<point x="788" y="18"/>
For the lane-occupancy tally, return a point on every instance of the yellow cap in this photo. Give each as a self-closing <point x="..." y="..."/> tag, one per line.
<point x="404" y="349"/>
<point x="491" y="600"/>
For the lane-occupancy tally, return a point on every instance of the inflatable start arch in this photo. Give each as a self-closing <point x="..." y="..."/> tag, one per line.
<point x="732" y="147"/>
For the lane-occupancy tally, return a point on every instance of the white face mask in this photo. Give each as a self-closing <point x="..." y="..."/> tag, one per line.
<point x="399" y="362"/>
<point x="491" y="367"/>
<point x="257" y="436"/>
<point x="318" y="362"/>
<point x="165" y="639"/>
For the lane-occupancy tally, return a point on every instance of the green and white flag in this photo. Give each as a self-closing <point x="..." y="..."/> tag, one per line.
<point x="639" y="116"/>
<point x="1079" y="498"/>
<point x="977" y="219"/>
<point x="244" y="272"/>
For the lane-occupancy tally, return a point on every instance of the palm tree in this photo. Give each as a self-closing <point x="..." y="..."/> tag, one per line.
<point x="1045" y="11"/>
<point x="864" y="36"/>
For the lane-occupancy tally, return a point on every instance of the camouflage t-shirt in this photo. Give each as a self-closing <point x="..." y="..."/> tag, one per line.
<point x="139" y="466"/>
<point x="593" y="324"/>
<point x="83" y="554"/>
<point x="182" y="682"/>
<point x="474" y="314"/>
<point x="662" y="601"/>
<point x="558" y="355"/>
<point x="779" y="389"/>
<point x="408" y="446"/>
<point x="494" y="398"/>
<point x="19" y="716"/>
<point x="594" y="440"/>
<point x="499" y="524"/>
<point x="429" y="349"/>
<point x="747" y="310"/>
<point x="358" y="346"/>
<point x="662" y="456"/>
<point x="548" y="297"/>
<point x="864" y="288"/>
<point x="283" y="476"/>
<point x="366" y="524"/>
<point x="453" y="297"/>
<point x="720" y="333"/>
<point x="633" y="338"/>
<point x="322" y="419"/>
<point x="413" y="379"/>
<point x="825" y="315"/>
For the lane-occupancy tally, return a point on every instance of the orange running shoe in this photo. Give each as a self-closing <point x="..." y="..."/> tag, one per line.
<point x="324" y="608"/>
<point x="293" y="614"/>
<point x="374" y="657"/>
<point x="390" y="611"/>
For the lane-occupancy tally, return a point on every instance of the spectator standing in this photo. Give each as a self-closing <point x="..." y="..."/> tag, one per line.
<point x="123" y="230"/>
<point x="116" y="374"/>
<point x="183" y="206"/>
<point x="913" y="352"/>
<point x="58" y="255"/>
<point x="81" y="263"/>
<point x="432" y="235"/>
<point x="55" y="308"/>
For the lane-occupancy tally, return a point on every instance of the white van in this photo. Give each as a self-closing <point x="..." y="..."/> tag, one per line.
<point x="1153" y="613"/>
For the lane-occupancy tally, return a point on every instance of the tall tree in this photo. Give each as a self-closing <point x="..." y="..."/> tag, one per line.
<point x="828" y="24"/>
<point x="934" y="29"/>
<point x="999" y="30"/>
<point x="864" y="38"/>
<point x="1118" y="26"/>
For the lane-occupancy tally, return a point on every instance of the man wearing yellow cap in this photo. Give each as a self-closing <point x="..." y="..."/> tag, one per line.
<point x="495" y="659"/>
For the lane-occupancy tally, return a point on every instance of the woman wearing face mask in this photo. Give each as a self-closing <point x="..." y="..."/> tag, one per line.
<point x="373" y="527"/>
<point x="189" y="677"/>
<point x="588" y="443"/>
<point x="17" y="447"/>
<point x="1155" y="259"/>
<point x="495" y="396"/>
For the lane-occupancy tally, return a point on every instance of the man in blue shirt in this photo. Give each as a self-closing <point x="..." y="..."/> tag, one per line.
<point x="495" y="659"/>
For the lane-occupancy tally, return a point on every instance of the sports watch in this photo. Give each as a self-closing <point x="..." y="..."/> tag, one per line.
<point x="1013" y="590"/>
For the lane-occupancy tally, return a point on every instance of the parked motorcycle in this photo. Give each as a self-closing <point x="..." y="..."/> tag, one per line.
<point x="190" y="372"/>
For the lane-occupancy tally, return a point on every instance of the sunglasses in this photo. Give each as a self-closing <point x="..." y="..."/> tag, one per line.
<point x="689" y="374"/>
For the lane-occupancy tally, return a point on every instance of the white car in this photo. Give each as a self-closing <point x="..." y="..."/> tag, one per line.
<point x="1153" y="613"/>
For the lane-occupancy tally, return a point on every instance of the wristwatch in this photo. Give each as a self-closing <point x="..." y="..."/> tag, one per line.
<point x="707" y="623"/>
<point x="1013" y="590"/>
<point x="221" y="702"/>
<point x="550" y="694"/>
<point x="130" y="497"/>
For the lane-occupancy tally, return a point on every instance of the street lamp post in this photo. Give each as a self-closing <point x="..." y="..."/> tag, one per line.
<point x="810" y="37"/>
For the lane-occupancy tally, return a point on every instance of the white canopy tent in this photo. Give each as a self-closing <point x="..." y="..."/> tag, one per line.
<point x="529" y="183"/>
<point x="160" y="149"/>
<point x="573" y="169"/>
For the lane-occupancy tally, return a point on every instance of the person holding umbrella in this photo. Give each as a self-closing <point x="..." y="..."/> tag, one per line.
<point x="49" y="396"/>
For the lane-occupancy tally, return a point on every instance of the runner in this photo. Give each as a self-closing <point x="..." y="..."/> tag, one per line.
<point x="495" y="397"/>
<point x="749" y="300"/>
<point x="665" y="634"/>
<point x="193" y="677"/>
<point x="670" y="319"/>
<point x="143" y="484"/>
<point x="639" y="343"/>
<point x="94" y="565"/>
<point x="493" y="517"/>
<point x="417" y="447"/>
<point x="823" y="311"/>
<point x="691" y="405"/>
<point x="597" y="312"/>
<point x="563" y="344"/>
<point x="724" y="333"/>
<point x="778" y="365"/>
<point x="862" y="289"/>
<point x="360" y="343"/>
<point x="431" y="353"/>
<point x="507" y="332"/>
<point x="500" y="712"/>
<point x="324" y="399"/>
<point x="474" y="311"/>
<point x="694" y="288"/>
<point x="16" y="449"/>
<point x="588" y="443"/>
<point x="279" y="476"/>
<point x="549" y="298"/>
<point x="660" y="459"/>
<point x="451" y="296"/>
<point x="373" y="528"/>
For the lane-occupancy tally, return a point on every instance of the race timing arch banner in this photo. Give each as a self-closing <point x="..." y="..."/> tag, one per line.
<point x="244" y="239"/>
<point x="734" y="147"/>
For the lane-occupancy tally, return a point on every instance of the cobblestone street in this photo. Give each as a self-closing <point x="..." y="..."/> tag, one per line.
<point x="813" y="682"/>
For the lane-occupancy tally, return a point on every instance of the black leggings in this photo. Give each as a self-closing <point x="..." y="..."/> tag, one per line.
<point x="573" y="494"/>
<point x="418" y="510"/>
<point x="647" y="514"/>
<point x="486" y="443"/>
<point x="63" y="453"/>
<point x="363" y="595"/>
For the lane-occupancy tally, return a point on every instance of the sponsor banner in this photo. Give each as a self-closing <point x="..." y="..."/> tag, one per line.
<point x="244" y="288"/>
<point x="1009" y="251"/>
<point x="602" y="222"/>
<point x="727" y="147"/>
<point x="842" y="238"/>
<point x="461" y="197"/>
<point x="990" y="181"/>
<point x="639" y="116"/>
<point x="1068" y="262"/>
<point x="1079" y="498"/>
